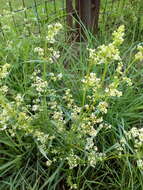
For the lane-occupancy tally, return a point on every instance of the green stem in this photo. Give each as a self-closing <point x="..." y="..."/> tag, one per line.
<point x="104" y="73"/>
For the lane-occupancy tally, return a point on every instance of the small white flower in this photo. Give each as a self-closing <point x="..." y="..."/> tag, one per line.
<point x="48" y="163"/>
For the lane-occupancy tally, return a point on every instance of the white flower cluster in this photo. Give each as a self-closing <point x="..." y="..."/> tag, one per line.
<point x="73" y="160"/>
<point x="104" y="54"/>
<point x="139" y="55"/>
<point x="38" y="83"/>
<point x="52" y="55"/>
<point x="103" y="107"/>
<point x="53" y="30"/>
<point x="109" y="53"/>
<point x="112" y="91"/>
<point x="4" y="70"/>
<point x="57" y="115"/>
<point x="140" y="164"/>
<point x="16" y="113"/>
<point x="48" y="163"/>
<point x="18" y="99"/>
<point x="134" y="137"/>
<point x="89" y="124"/>
<point x="137" y="135"/>
<point x="127" y="80"/>
<point x="118" y="36"/>
<point x="68" y="98"/>
<point x="94" y="157"/>
<point x="55" y="77"/>
<point x="39" y="50"/>
<point x="119" y="68"/>
<point x="91" y="80"/>
<point x="70" y="182"/>
<point x="3" y="89"/>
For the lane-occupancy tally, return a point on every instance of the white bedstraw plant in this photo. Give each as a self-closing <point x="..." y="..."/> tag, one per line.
<point x="78" y="125"/>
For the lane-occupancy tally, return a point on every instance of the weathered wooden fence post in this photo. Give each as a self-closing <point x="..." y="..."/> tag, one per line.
<point x="95" y="15"/>
<point x="69" y="10"/>
<point x="86" y="14"/>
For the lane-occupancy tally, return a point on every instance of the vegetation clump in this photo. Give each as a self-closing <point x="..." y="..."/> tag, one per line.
<point x="71" y="130"/>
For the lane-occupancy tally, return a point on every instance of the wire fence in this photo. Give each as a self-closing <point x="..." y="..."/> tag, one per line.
<point x="27" y="17"/>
